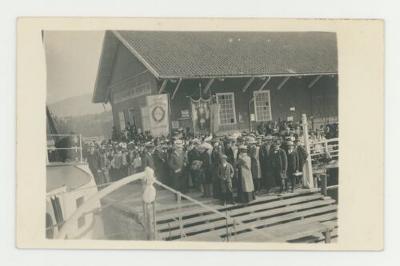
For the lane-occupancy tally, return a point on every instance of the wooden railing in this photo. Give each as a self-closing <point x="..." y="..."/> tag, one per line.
<point x="231" y="223"/>
<point x="323" y="153"/>
<point x="328" y="147"/>
<point x="77" y="148"/>
<point x="179" y="196"/>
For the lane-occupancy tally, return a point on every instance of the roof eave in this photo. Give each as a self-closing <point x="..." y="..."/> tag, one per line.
<point x="247" y="75"/>
<point x="136" y="54"/>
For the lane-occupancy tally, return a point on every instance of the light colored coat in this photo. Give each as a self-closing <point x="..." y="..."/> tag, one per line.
<point x="244" y="163"/>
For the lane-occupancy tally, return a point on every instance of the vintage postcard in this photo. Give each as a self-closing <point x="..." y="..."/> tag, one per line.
<point x="200" y="134"/>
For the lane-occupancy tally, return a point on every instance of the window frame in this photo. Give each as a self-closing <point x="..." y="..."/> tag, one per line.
<point x="121" y="119"/>
<point x="217" y="95"/>
<point x="255" y="93"/>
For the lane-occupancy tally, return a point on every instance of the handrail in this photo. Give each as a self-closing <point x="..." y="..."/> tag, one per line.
<point x="324" y="141"/>
<point x="77" y="147"/>
<point x="192" y="200"/>
<point x="225" y="216"/>
<point x="88" y="205"/>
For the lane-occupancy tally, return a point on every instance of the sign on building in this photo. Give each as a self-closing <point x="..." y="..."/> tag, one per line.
<point x="185" y="114"/>
<point x="158" y="111"/>
<point x="201" y="115"/>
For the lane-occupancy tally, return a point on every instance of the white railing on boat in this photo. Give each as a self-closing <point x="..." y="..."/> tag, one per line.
<point x="149" y="217"/>
<point x="77" y="139"/>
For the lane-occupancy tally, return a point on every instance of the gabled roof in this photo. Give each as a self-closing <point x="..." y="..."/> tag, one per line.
<point x="226" y="54"/>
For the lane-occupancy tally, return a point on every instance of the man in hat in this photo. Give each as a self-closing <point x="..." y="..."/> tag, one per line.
<point x="265" y="163"/>
<point x="194" y="162"/>
<point x="117" y="162"/>
<point x="160" y="163"/>
<point x="292" y="164"/>
<point x="206" y="175"/>
<point x="229" y="152"/>
<point x="147" y="158"/>
<point x="225" y="173"/>
<point x="176" y="164"/>
<point x="279" y="165"/>
<point x="302" y="155"/>
<point x="215" y="162"/>
<point x="94" y="162"/>
<point x="245" y="178"/>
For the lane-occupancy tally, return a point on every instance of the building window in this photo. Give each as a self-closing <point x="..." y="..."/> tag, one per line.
<point x="262" y="106"/>
<point x="121" y="117"/>
<point x="226" y="103"/>
<point x="79" y="201"/>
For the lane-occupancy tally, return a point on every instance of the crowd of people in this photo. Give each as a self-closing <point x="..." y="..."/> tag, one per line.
<point x="232" y="168"/>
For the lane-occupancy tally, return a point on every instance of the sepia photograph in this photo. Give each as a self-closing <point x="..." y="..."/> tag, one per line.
<point x="204" y="136"/>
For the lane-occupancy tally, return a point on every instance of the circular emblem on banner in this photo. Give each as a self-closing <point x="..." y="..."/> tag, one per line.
<point x="158" y="113"/>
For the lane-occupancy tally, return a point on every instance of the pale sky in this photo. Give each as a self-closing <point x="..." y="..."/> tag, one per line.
<point x="72" y="59"/>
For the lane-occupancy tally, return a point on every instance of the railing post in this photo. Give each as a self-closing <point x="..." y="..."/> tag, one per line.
<point x="80" y="145"/>
<point x="308" y="173"/>
<point x="149" y="195"/>
<point x="324" y="184"/>
<point x="234" y="227"/>
<point x="327" y="235"/>
<point x="179" y="200"/>
<point x="226" y="222"/>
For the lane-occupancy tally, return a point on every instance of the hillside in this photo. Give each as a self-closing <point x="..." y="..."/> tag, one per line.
<point x="77" y="106"/>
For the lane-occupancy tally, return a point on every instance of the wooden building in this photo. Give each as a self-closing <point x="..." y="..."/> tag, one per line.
<point x="242" y="78"/>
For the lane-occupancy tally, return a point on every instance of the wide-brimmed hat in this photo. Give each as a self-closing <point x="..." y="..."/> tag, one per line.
<point x="242" y="147"/>
<point x="149" y="144"/>
<point x="178" y="142"/>
<point x="196" y="141"/>
<point x="205" y="146"/>
<point x="208" y="139"/>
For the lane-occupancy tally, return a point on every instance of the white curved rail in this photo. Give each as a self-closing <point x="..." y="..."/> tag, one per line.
<point x="92" y="202"/>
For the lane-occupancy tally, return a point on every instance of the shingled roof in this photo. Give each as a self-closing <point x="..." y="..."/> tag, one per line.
<point x="227" y="54"/>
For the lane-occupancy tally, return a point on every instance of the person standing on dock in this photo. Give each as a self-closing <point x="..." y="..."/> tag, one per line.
<point x="148" y="160"/>
<point x="176" y="164"/>
<point x="246" y="190"/>
<point x="292" y="165"/>
<point x="303" y="155"/>
<point x="94" y="162"/>
<point x="279" y="165"/>
<point x="225" y="173"/>
<point x="265" y="163"/>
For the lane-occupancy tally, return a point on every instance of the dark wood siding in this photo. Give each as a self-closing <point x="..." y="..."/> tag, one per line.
<point x="128" y="73"/>
<point x="319" y="101"/>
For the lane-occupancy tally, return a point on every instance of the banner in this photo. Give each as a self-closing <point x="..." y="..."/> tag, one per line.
<point x="158" y="110"/>
<point x="201" y="116"/>
<point x="214" y="118"/>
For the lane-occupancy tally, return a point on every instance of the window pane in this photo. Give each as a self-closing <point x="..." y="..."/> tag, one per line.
<point x="226" y="108"/>
<point x="261" y="105"/>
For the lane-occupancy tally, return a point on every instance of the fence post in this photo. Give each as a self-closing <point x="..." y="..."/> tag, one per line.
<point x="327" y="235"/>
<point x="179" y="199"/>
<point x="308" y="178"/>
<point x="324" y="184"/>
<point x="149" y="196"/>
<point x="80" y="145"/>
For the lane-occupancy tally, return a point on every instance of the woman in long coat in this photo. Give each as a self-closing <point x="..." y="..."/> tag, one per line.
<point x="225" y="173"/>
<point x="246" y="193"/>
